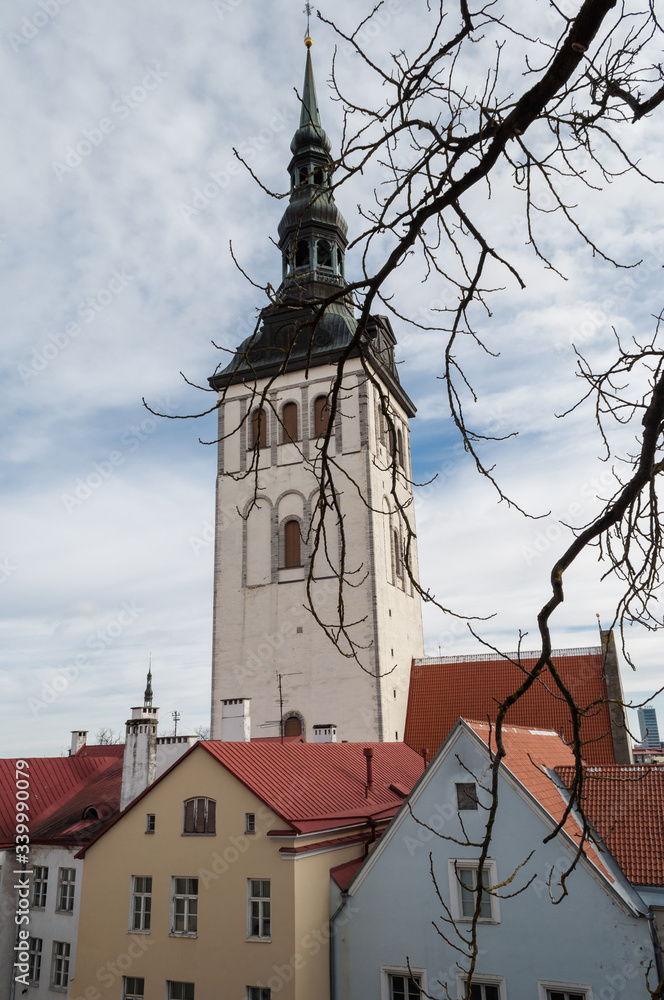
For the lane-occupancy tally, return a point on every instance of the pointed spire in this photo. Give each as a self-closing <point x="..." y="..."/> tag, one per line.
<point x="147" y="697"/>
<point x="311" y="132"/>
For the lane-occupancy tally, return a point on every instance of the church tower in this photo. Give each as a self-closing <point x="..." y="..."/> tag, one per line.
<point x="276" y="669"/>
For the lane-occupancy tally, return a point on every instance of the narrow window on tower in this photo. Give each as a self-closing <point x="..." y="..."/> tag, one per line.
<point x="302" y="255"/>
<point x="321" y="416"/>
<point x="292" y="544"/>
<point x="400" y="456"/>
<point x="259" y="428"/>
<point x="324" y="254"/>
<point x="289" y="422"/>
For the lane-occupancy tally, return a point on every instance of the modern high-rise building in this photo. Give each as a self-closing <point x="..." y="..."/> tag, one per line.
<point x="316" y="613"/>
<point x="648" y="725"/>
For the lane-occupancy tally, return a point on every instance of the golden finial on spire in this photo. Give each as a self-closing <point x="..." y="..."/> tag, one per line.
<point x="308" y="40"/>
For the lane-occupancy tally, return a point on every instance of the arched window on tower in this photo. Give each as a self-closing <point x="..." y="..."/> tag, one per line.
<point x="289" y="423"/>
<point x="324" y="254"/>
<point x="302" y="254"/>
<point x="319" y="175"/>
<point x="321" y="416"/>
<point x="397" y="565"/>
<point x="292" y="726"/>
<point x="303" y="175"/>
<point x="259" y="428"/>
<point x="292" y="544"/>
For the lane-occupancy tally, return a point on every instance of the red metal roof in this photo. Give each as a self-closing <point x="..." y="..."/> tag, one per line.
<point x="314" y="786"/>
<point x="60" y="789"/>
<point x="442" y="689"/>
<point x="528" y="754"/>
<point x="343" y="874"/>
<point x="626" y="807"/>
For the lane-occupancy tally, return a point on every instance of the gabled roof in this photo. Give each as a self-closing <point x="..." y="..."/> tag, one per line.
<point x="60" y="790"/>
<point x="626" y="807"/>
<point x="529" y="754"/>
<point x="314" y="786"/>
<point x="444" y="688"/>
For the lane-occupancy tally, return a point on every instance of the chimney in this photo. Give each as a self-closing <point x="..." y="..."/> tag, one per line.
<point x="235" y="720"/>
<point x="368" y="753"/>
<point x="79" y="738"/>
<point x="325" y="732"/>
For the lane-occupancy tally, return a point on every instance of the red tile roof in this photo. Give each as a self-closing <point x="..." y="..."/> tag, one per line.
<point x="626" y="807"/>
<point x="61" y="788"/>
<point x="314" y="786"/>
<point x="528" y="754"/>
<point x="442" y="689"/>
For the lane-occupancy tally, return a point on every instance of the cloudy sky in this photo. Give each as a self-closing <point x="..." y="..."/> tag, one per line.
<point x="120" y="195"/>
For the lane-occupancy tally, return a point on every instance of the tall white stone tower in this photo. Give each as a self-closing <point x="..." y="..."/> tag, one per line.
<point x="273" y="417"/>
<point x="139" y="763"/>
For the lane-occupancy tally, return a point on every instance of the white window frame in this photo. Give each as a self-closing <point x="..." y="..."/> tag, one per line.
<point x="143" y="896"/>
<point x="481" y="979"/>
<point x="42" y="882"/>
<point x="35" y="952"/>
<point x="187" y="897"/>
<point x="251" y="898"/>
<point x="63" y="972"/>
<point x="126" y="994"/>
<point x="177" y="982"/>
<point x="387" y="971"/>
<point x="549" y="984"/>
<point x="456" y="907"/>
<point x="66" y="890"/>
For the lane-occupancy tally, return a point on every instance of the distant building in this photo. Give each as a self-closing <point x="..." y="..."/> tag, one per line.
<point x="446" y="688"/>
<point x="649" y="730"/>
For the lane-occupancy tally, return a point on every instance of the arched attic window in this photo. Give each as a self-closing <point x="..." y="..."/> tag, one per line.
<point x="289" y="423"/>
<point x="292" y="544"/>
<point x="199" y="816"/>
<point x="90" y="813"/>
<point x="321" y="416"/>
<point x="259" y="428"/>
<point x="292" y="726"/>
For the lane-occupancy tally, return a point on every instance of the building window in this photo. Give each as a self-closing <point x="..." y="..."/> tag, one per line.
<point x="184" y="920"/>
<point x="466" y="793"/>
<point x="60" y="967"/>
<point x="34" y="959"/>
<point x="259" y="428"/>
<point x="293" y="726"/>
<point x="258" y="993"/>
<point x="483" y="991"/>
<point x="141" y="902"/>
<point x="200" y="816"/>
<point x="397" y="563"/>
<point x="149" y="823"/>
<point x="463" y="890"/>
<point x="133" y="988"/>
<point x="404" y="987"/>
<point x="258" y="908"/>
<point x="66" y="889"/>
<point x="250" y="822"/>
<point x="400" y="452"/>
<point x="292" y="544"/>
<point x="563" y="991"/>
<point x="180" y="991"/>
<point x="39" y="887"/>
<point x="289" y="422"/>
<point x="321" y="416"/>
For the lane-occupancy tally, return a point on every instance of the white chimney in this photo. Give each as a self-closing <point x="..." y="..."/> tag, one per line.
<point x="325" y="732"/>
<point x="79" y="738"/>
<point x="235" y="720"/>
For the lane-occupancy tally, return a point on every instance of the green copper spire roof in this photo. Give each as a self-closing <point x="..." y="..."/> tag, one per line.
<point x="310" y="132"/>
